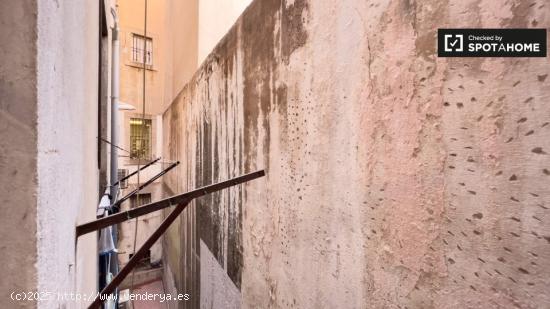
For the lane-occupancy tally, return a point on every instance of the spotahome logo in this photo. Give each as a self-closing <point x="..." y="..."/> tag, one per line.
<point x="491" y="42"/>
<point x="454" y="42"/>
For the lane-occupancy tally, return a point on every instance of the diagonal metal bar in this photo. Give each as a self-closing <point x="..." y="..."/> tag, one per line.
<point x="110" y="288"/>
<point x="117" y="147"/>
<point x="145" y="184"/>
<point x="183" y="201"/>
<point x="136" y="171"/>
<point x="167" y="202"/>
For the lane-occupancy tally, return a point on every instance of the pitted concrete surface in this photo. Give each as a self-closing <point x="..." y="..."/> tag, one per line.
<point x="395" y="179"/>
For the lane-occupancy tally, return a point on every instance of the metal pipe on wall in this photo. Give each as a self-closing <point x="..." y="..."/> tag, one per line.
<point x="111" y="260"/>
<point x="114" y="107"/>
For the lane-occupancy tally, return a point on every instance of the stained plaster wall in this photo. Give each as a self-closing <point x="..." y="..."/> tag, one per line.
<point x="48" y="149"/>
<point x="67" y="164"/>
<point x="395" y="179"/>
<point x="18" y="149"/>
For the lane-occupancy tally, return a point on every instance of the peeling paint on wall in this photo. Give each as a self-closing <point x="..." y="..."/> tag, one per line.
<point x="395" y="179"/>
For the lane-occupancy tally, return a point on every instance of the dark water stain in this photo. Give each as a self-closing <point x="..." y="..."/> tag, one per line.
<point x="259" y="63"/>
<point x="255" y="33"/>
<point x="293" y="32"/>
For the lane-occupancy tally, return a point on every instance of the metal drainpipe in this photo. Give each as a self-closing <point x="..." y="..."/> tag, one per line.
<point x="114" y="142"/>
<point x="114" y="107"/>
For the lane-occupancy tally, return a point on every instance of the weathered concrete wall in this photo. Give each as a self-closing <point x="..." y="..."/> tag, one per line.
<point x="18" y="149"/>
<point x="395" y="179"/>
<point x="48" y="149"/>
<point x="67" y="165"/>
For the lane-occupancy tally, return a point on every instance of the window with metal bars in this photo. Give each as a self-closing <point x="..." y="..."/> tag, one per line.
<point x="139" y="44"/>
<point x="140" y="138"/>
<point x="122" y="172"/>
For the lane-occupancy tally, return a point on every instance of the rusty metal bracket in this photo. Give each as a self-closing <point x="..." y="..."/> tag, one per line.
<point x="167" y="202"/>
<point x="182" y="200"/>
<point x="136" y="171"/>
<point x="101" y="210"/>
<point x="117" y="204"/>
